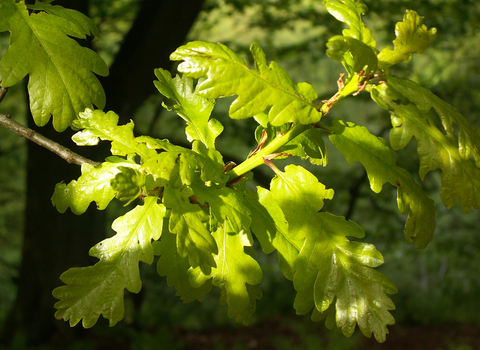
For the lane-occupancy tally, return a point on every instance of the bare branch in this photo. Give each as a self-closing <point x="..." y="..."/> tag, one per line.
<point x="65" y="153"/>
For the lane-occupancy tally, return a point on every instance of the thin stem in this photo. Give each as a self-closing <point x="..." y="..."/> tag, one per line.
<point x="351" y="88"/>
<point x="257" y="158"/>
<point x="63" y="152"/>
<point x="3" y="92"/>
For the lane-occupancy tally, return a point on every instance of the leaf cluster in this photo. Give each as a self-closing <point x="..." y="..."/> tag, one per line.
<point x="200" y="216"/>
<point x="207" y="217"/>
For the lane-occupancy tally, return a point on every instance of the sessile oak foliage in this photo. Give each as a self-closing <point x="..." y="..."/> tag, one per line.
<point x="197" y="213"/>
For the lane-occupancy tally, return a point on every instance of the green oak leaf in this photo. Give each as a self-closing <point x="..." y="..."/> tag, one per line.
<point x="61" y="82"/>
<point x="237" y="273"/>
<point x="350" y="12"/>
<point x="332" y="271"/>
<point x="271" y="229"/>
<point x="450" y="117"/>
<point x="190" y="105"/>
<point x="221" y="73"/>
<point x="358" y="56"/>
<point x="295" y="189"/>
<point x="93" y="185"/>
<point x="201" y="160"/>
<point x="329" y="267"/>
<point x="163" y="168"/>
<point x="460" y="176"/>
<point x="356" y="143"/>
<point x="226" y="204"/>
<point x="98" y="290"/>
<point x="412" y="36"/>
<point x="188" y="222"/>
<point x="175" y="267"/>
<point x="98" y="125"/>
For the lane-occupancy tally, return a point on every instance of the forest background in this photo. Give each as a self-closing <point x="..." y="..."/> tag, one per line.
<point x="439" y="288"/>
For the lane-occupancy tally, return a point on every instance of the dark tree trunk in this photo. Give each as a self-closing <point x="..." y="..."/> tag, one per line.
<point x="54" y="242"/>
<point x="160" y="27"/>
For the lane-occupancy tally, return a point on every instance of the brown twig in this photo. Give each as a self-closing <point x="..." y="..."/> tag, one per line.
<point x="65" y="153"/>
<point x="3" y="92"/>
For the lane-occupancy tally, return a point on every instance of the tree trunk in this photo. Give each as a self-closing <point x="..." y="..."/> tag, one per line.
<point x="54" y="242"/>
<point x="160" y="27"/>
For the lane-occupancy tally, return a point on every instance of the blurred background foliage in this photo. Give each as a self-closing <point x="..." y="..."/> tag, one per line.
<point x="437" y="287"/>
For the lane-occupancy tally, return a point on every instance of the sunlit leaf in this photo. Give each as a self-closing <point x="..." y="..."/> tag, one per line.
<point x="330" y="269"/>
<point x="295" y="189"/>
<point x="350" y="12"/>
<point x="412" y="36"/>
<point x="226" y="204"/>
<point x="61" y="81"/>
<point x="190" y="105"/>
<point x="357" y="144"/>
<point x="358" y="56"/>
<point x="237" y="274"/>
<point x="436" y="149"/>
<point x="271" y="228"/>
<point x="98" y="290"/>
<point x="98" y="125"/>
<point x="94" y="185"/>
<point x="223" y="73"/>
<point x="175" y="267"/>
<point x="188" y="222"/>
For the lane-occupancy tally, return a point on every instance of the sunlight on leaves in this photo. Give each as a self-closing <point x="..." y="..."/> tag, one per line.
<point x="61" y="82"/>
<point x="224" y="74"/>
<point x="98" y="290"/>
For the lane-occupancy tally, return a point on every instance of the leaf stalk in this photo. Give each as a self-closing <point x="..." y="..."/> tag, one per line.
<point x="258" y="158"/>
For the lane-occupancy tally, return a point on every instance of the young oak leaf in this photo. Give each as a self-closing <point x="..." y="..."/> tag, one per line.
<point x="350" y="12"/>
<point x="333" y="272"/>
<point x="223" y="73"/>
<point x="271" y="229"/>
<point x="93" y="185"/>
<point x="356" y="143"/>
<point x="190" y="105"/>
<point x="200" y="159"/>
<point x="62" y="82"/>
<point x="98" y="125"/>
<point x="98" y="290"/>
<point x="412" y="36"/>
<point x="297" y="189"/>
<point x="175" y="267"/>
<point x="450" y="117"/>
<point x="226" y="204"/>
<point x="460" y="176"/>
<point x="187" y="221"/>
<point x="329" y="266"/>
<point x="358" y="56"/>
<point x="237" y="273"/>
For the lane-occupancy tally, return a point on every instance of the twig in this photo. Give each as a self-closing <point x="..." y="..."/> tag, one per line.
<point x="65" y="153"/>
<point x="3" y="92"/>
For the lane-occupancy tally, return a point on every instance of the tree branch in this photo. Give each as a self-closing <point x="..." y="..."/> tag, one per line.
<point x="65" y="153"/>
